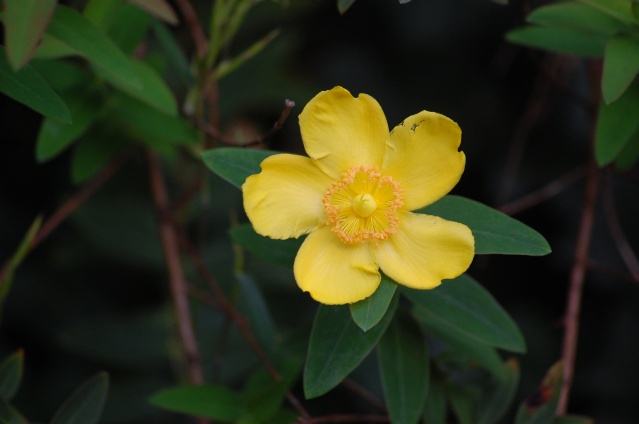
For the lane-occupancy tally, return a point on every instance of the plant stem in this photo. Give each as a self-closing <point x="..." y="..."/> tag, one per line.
<point x="177" y="281"/>
<point x="577" y="276"/>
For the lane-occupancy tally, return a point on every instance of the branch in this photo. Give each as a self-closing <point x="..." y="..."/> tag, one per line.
<point x="70" y="205"/>
<point x="220" y="300"/>
<point x="177" y="280"/>
<point x="230" y="141"/>
<point x="194" y="26"/>
<point x="623" y="246"/>
<point x="577" y="276"/>
<point x="546" y="192"/>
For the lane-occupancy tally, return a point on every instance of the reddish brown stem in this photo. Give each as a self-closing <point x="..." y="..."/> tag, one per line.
<point x="177" y="281"/>
<point x="70" y="205"/>
<point x="577" y="276"/>
<point x="194" y="26"/>
<point x="623" y="245"/>
<point x="220" y="300"/>
<point x="261" y="139"/>
<point x="549" y="190"/>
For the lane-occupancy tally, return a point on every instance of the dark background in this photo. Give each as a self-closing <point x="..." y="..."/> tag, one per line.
<point x="94" y="295"/>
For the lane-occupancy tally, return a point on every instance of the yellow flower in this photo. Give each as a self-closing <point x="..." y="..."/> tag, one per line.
<point x="353" y="196"/>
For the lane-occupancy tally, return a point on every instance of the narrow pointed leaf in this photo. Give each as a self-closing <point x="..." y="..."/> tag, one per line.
<point x="11" y="375"/>
<point x="93" y="151"/>
<point x="467" y="308"/>
<point x="207" y="401"/>
<point x="629" y="154"/>
<point x="404" y="368"/>
<point x="24" y="22"/>
<point x="576" y="16"/>
<point x="539" y="408"/>
<point x="150" y="126"/>
<point x="614" y="129"/>
<point x="55" y="136"/>
<point x="29" y="88"/>
<point x="228" y="66"/>
<point x="344" y="5"/>
<point x="79" y="33"/>
<point x="494" y="231"/>
<point x="129" y="28"/>
<point x="158" y="8"/>
<point x="496" y="398"/>
<point x="17" y="258"/>
<point x="256" y="310"/>
<point x="621" y="65"/>
<point x="234" y="164"/>
<point x="560" y="40"/>
<point x="618" y="9"/>
<point x="10" y="415"/>
<point x="462" y="401"/>
<point x="337" y="346"/>
<point x="85" y="405"/>
<point x="369" y="312"/>
<point x="153" y="91"/>
<point x="474" y="350"/>
<point x="435" y="405"/>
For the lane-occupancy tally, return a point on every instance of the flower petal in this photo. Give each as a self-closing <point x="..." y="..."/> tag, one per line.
<point x="285" y="199"/>
<point x="333" y="272"/>
<point x="340" y="131"/>
<point x="422" y="157"/>
<point x="425" y="250"/>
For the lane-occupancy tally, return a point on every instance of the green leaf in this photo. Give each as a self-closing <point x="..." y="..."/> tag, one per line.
<point x="174" y="54"/>
<point x="55" y="136"/>
<point x="614" y="127"/>
<point x="540" y="407"/>
<point x="618" y="9"/>
<point x="29" y="88"/>
<point x="207" y="401"/>
<point x="629" y="154"/>
<point x="85" y="405"/>
<point x="154" y="91"/>
<point x="337" y="346"/>
<point x="464" y="306"/>
<point x="93" y="151"/>
<point x="256" y="310"/>
<point x="158" y="8"/>
<point x="404" y="368"/>
<point x="494" y="231"/>
<point x="463" y="402"/>
<point x="10" y="415"/>
<point x="458" y="342"/>
<point x="435" y="405"/>
<point x="621" y="65"/>
<point x="369" y="312"/>
<point x="343" y="5"/>
<point x="150" y="126"/>
<point x="102" y="13"/>
<point x="228" y="66"/>
<point x="129" y="28"/>
<point x="560" y="40"/>
<point x="63" y="75"/>
<point x="264" y="396"/>
<point x="17" y="258"/>
<point x="24" y="22"/>
<point x="496" y="398"/>
<point x="576" y="16"/>
<point x="234" y="164"/>
<point x="73" y="29"/>
<point x="11" y="374"/>
<point x="281" y="252"/>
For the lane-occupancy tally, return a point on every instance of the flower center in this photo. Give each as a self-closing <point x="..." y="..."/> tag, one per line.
<point x="362" y="205"/>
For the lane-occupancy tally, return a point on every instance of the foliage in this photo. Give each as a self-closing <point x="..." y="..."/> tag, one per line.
<point x="136" y="93"/>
